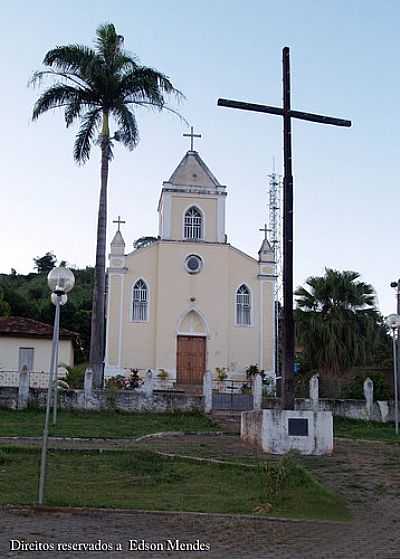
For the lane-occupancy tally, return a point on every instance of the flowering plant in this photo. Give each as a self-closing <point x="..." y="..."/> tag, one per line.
<point x="121" y="382"/>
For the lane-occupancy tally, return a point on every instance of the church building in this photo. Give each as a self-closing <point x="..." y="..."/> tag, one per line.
<point x="188" y="301"/>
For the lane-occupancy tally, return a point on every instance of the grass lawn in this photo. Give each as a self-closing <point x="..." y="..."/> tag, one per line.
<point x="369" y="430"/>
<point x="143" y="480"/>
<point x="29" y="423"/>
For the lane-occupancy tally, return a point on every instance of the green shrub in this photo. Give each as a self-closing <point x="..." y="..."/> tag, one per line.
<point x="284" y="474"/>
<point x="75" y="377"/>
<point x="253" y="370"/>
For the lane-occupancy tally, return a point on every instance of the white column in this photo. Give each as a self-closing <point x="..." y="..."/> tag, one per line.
<point x="221" y="219"/>
<point x="369" y="396"/>
<point x="207" y="391"/>
<point x="257" y="392"/>
<point x="148" y="384"/>
<point x="314" y="392"/>
<point x="23" y="388"/>
<point x="88" y="386"/>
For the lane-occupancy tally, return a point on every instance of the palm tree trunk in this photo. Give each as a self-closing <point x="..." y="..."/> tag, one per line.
<point x="96" y="355"/>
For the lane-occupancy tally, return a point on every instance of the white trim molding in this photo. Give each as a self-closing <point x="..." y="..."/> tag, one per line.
<point x="192" y="308"/>
<point x="221" y="219"/>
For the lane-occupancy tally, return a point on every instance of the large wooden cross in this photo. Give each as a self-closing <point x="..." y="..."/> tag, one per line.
<point x="287" y="113"/>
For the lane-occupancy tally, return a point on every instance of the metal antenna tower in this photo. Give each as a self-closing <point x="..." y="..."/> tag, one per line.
<point x="275" y="239"/>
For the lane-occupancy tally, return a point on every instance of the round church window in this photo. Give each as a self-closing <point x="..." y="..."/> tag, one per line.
<point x="193" y="264"/>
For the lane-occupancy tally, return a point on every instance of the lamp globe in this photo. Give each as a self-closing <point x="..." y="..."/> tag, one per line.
<point x="60" y="280"/>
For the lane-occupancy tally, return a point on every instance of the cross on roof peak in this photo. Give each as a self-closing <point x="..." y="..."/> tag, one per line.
<point x="191" y="136"/>
<point x="265" y="230"/>
<point x="119" y="221"/>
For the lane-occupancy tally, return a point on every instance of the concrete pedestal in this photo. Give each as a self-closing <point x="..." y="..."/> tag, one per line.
<point x="279" y="431"/>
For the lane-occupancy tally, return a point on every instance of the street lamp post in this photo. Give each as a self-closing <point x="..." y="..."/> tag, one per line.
<point x="396" y="389"/>
<point x="396" y="285"/>
<point x="60" y="280"/>
<point x="393" y="321"/>
<point x="58" y="301"/>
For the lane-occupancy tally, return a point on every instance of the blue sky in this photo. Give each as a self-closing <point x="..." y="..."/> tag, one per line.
<point x="344" y="57"/>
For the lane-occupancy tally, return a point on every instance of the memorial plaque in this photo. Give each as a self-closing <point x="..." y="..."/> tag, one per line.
<point x="298" y="427"/>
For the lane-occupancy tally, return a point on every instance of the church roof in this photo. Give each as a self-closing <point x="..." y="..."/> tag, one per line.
<point x="265" y="250"/>
<point x="118" y="239"/>
<point x="192" y="171"/>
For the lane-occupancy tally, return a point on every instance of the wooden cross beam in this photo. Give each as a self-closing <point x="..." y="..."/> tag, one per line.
<point x="191" y="136"/>
<point x="287" y="113"/>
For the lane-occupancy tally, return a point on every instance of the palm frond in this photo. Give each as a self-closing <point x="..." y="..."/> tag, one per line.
<point x="128" y="130"/>
<point x="147" y="84"/>
<point x="73" y="111"/>
<point x="84" y="138"/>
<point x="147" y="104"/>
<point x="38" y="77"/>
<point x="107" y="42"/>
<point x="55" y="97"/>
<point x="76" y="59"/>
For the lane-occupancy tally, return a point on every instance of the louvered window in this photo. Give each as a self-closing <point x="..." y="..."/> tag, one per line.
<point x="193" y="224"/>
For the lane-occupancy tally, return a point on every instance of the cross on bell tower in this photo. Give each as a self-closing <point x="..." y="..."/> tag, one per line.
<point x="191" y="136"/>
<point x="120" y="222"/>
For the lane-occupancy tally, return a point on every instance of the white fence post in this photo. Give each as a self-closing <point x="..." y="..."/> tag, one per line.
<point x="23" y="388"/>
<point x="207" y="391"/>
<point x="257" y="392"/>
<point x="314" y="392"/>
<point x="148" y="384"/>
<point x="369" y="396"/>
<point x="88" y="386"/>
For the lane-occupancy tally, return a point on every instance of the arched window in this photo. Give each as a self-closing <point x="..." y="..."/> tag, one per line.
<point x="140" y="301"/>
<point x="193" y="224"/>
<point x="243" y="307"/>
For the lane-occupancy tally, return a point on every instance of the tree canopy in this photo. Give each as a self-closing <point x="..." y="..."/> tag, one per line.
<point x="337" y="323"/>
<point x="93" y="84"/>
<point x="43" y="264"/>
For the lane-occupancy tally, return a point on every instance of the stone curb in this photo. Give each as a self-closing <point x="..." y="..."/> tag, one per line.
<point x="205" y="460"/>
<point x="370" y="441"/>
<point x="121" y="439"/>
<point x="91" y="510"/>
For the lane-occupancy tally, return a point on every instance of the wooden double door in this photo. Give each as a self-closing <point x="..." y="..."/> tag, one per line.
<point x="190" y="360"/>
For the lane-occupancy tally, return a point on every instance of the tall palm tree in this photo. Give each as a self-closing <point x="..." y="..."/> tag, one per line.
<point x="97" y="87"/>
<point x="337" y="322"/>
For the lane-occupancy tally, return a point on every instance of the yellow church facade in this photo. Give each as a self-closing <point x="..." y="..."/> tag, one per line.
<point x="188" y="301"/>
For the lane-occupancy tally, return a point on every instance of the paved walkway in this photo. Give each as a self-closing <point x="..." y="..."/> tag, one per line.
<point x="368" y="474"/>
